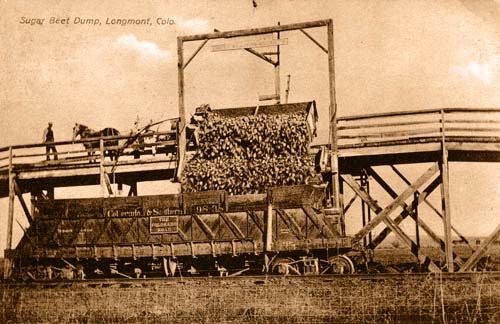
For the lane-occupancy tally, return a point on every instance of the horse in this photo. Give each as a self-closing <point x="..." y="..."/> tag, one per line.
<point x="87" y="133"/>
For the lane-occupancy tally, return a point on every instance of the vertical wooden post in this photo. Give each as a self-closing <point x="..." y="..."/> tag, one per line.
<point x="445" y="197"/>
<point x="12" y="194"/>
<point x="269" y="227"/>
<point x="181" y="150"/>
<point x="363" y="206"/>
<point x="415" y="217"/>
<point x="333" y="118"/>
<point x="341" y="206"/>
<point x="277" y="89"/>
<point x="102" y="180"/>
<point x="133" y="189"/>
<point x="369" y="211"/>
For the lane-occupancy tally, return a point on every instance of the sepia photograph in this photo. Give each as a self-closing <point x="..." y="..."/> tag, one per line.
<point x="250" y="161"/>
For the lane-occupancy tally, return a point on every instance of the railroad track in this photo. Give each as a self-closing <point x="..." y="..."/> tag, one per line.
<point x="263" y="279"/>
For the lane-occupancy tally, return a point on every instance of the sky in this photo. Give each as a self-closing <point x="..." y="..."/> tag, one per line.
<point x="390" y="55"/>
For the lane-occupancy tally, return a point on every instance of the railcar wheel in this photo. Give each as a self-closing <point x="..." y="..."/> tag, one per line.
<point x="339" y="264"/>
<point x="285" y="266"/>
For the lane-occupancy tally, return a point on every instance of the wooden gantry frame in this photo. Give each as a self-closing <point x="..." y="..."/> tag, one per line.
<point x="267" y="57"/>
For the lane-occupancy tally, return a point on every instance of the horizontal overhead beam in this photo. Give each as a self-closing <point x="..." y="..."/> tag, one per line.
<point x="256" y="31"/>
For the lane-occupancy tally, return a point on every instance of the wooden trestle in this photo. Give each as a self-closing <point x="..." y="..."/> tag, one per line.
<point x="435" y="136"/>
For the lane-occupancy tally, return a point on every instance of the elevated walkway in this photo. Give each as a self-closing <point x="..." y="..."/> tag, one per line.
<point x="468" y="135"/>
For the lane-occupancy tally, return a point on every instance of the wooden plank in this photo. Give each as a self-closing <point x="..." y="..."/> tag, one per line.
<point x="390" y="114"/>
<point x="204" y="227"/>
<point x="268" y="243"/>
<point x="334" y="163"/>
<point x="394" y="204"/>
<point x="407" y="211"/>
<point x="410" y="244"/>
<point x="256" y="31"/>
<point x="269" y="97"/>
<point x="290" y="223"/>
<point x="259" y="55"/>
<point x="10" y="212"/>
<point x="181" y="148"/>
<point x="108" y="184"/>
<point x="372" y="204"/>
<point x="195" y="53"/>
<point x="483" y="248"/>
<point x="424" y="196"/>
<point x="445" y="197"/>
<point x="405" y="133"/>
<point x="232" y="226"/>
<point x="257" y="221"/>
<point x="365" y="126"/>
<point x="23" y="203"/>
<point x="248" y="44"/>
<point x="314" y="41"/>
<point x="318" y="222"/>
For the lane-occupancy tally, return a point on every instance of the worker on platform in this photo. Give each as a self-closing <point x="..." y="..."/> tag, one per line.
<point x="48" y="139"/>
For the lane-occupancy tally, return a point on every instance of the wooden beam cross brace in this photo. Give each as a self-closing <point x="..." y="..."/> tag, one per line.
<point x="257" y="221"/>
<point x="407" y="211"/>
<point x="431" y="206"/>
<point x="318" y="222"/>
<point x="314" y="41"/>
<point x="232" y="226"/>
<point x="483" y="248"/>
<point x="19" y="195"/>
<point x="383" y="215"/>
<point x="291" y="223"/>
<point x="204" y="227"/>
<point x="195" y="53"/>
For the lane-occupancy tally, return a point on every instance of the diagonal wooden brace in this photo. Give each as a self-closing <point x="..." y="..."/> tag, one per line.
<point x="257" y="221"/>
<point x="204" y="227"/>
<point x="318" y="222"/>
<point x="232" y="226"/>
<point x="19" y="195"/>
<point x="407" y="211"/>
<point x="381" y="214"/>
<point x="426" y="261"/>
<point x="431" y="206"/>
<point x="291" y="223"/>
<point x="476" y="256"/>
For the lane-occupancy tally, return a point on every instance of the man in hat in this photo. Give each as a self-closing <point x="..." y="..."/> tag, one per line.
<point x="48" y="139"/>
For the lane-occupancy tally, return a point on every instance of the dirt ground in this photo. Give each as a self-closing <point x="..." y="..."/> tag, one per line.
<point x="272" y="300"/>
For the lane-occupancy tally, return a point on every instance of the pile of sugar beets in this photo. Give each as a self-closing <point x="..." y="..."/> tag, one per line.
<point x="248" y="154"/>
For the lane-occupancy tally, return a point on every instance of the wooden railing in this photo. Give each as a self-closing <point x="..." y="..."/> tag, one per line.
<point x="152" y="145"/>
<point x="468" y="124"/>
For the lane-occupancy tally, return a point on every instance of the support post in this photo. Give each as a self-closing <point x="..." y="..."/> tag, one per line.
<point x="277" y="89"/>
<point x="19" y="194"/>
<point x="102" y="179"/>
<point x="341" y="202"/>
<point x="133" y="189"/>
<point x="445" y="197"/>
<point x="333" y="118"/>
<point x="414" y="211"/>
<point x="12" y="193"/>
<point x="269" y="227"/>
<point x="182" y="113"/>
